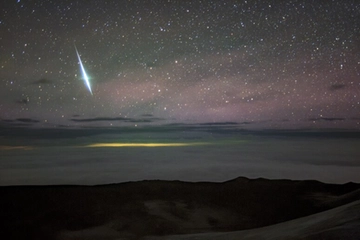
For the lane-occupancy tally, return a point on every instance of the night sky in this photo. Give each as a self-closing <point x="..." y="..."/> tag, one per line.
<point x="263" y="64"/>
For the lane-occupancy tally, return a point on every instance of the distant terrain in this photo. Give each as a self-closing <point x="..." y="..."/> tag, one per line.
<point x="183" y="210"/>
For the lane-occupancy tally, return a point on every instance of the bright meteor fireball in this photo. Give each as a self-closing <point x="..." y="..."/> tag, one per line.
<point x="86" y="78"/>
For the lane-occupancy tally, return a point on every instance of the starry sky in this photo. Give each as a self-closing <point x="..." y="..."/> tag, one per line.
<point x="258" y="64"/>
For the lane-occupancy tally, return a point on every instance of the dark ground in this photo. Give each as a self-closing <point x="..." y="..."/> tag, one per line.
<point x="145" y="208"/>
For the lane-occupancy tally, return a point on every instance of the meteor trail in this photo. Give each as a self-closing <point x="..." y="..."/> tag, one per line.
<point x="86" y="78"/>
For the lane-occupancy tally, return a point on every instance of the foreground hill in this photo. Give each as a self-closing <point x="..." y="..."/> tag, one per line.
<point x="136" y="210"/>
<point x="338" y="223"/>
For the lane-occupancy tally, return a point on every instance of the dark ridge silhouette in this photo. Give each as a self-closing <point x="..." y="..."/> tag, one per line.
<point x="159" y="208"/>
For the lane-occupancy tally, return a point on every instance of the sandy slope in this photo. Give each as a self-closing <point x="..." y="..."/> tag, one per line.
<point x="338" y="223"/>
<point x="137" y="210"/>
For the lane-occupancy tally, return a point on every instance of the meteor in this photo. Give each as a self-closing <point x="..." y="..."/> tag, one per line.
<point x="86" y="78"/>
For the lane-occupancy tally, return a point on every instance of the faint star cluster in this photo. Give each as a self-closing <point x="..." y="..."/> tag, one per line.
<point x="275" y="64"/>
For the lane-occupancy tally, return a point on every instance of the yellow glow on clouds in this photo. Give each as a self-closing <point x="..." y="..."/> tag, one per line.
<point x="144" y="144"/>
<point x="16" y="148"/>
